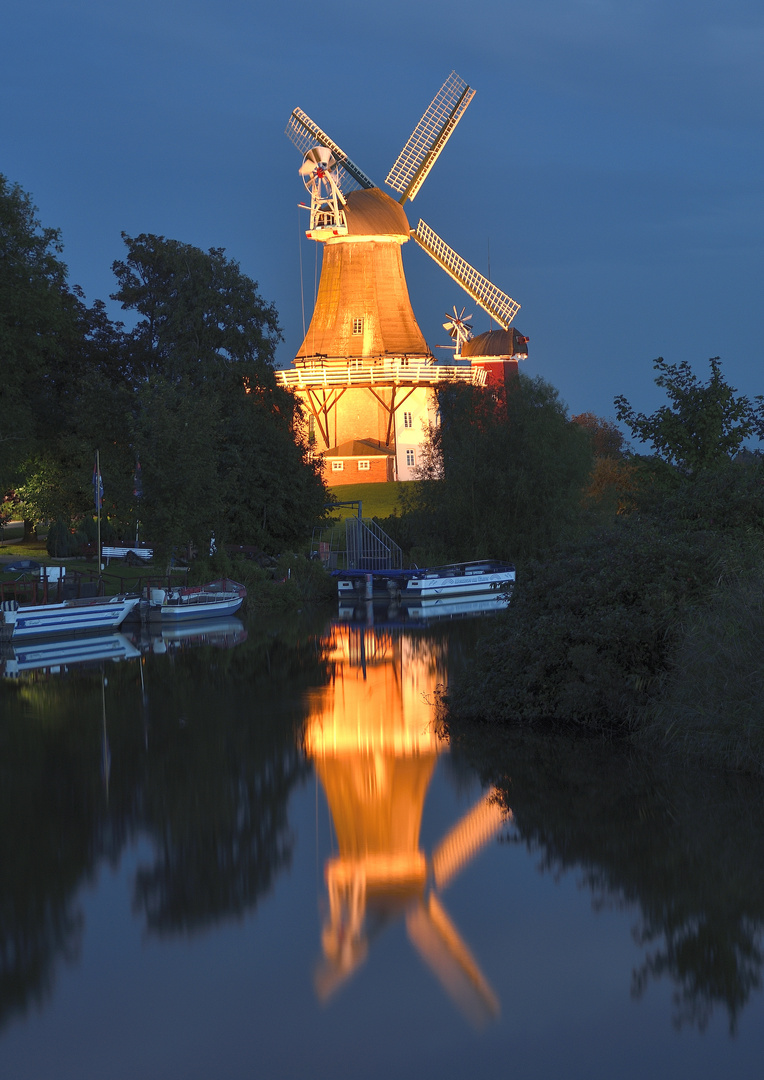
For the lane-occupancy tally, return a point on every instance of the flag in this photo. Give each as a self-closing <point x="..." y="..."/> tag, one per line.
<point x="97" y="485"/>
<point x="137" y="481"/>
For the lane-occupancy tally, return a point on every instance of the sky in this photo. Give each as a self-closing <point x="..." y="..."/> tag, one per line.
<point x="608" y="170"/>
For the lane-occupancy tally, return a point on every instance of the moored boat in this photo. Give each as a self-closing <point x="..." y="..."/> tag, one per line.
<point x="216" y="598"/>
<point x="67" y="618"/>
<point x="460" y="580"/>
<point x="484" y="577"/>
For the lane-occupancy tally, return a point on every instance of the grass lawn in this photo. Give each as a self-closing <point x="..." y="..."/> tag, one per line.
<point x="379" y="500"/>
<point x="17" y="548"/>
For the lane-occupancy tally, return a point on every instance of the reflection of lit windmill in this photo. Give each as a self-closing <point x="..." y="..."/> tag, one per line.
<point x="371" y="736"/>
<point x="363" y="325"/>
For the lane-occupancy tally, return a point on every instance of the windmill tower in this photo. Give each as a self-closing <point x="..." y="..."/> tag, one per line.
<point x="364" y="370"/>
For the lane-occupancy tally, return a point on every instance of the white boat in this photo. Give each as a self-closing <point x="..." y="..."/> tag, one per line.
<point x="56" y="655"/>
<point x="64" y="619"/>
<point x="183" y="602"/>
<point x="480" y="578"/>
<point x="468" y="579"/>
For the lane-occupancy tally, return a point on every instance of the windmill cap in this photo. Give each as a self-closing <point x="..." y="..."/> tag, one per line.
<point x="370" y="212"/>
<point x="500" y="343"/>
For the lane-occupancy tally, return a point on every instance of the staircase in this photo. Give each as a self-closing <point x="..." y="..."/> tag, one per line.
<point x="356" y="544"/>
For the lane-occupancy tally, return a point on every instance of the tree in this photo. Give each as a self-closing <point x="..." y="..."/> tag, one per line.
<point x="217" y="438"/>
<point x="200" y="312"/>
<point x="703" y="425"/>
<point x="272" y="485"/>
<point x="611" y="485"/>
<point x="39" y="327"/>
<point x="607" y="440"/>
<point x="503" y="475"/>
<point x="591" y="632"/>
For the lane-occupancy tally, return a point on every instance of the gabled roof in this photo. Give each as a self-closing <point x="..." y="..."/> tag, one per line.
<point x="363" y="448"/>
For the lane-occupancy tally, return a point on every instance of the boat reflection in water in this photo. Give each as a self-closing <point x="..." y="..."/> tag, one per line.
<point x="57" y="656"/>
<point x="222" y="633"/>
<point x="423" y="610"/>
<point x="372" y="736"/>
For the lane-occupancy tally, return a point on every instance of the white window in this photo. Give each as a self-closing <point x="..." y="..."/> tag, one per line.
<point x="338" y="466"/>
<point x="364" y="465"/>
<point x="410" y="458"/>
<point x="407" y="421"/>
<point x="357" y="326"/>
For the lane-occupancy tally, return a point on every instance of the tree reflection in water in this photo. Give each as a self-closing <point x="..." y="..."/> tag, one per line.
<point x="685" y="847"/>
<point x="203" y="765"/>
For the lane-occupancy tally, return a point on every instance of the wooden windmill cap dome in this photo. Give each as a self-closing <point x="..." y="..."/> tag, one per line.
<point x="501" y="343"/>
<point x="370" y="212"/>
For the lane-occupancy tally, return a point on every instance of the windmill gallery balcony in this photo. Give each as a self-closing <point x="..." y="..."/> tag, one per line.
<point x="386" y="372"/>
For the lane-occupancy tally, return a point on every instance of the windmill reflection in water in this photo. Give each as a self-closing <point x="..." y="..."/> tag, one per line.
<point x="372" y="736"/>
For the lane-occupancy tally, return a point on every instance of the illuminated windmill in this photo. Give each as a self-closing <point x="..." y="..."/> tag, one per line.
<point x="364" y="369"/>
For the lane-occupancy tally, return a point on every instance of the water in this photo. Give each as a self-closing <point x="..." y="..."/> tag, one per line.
<point x="254" y="855"/>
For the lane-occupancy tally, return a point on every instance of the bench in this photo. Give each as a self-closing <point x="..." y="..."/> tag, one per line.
<point x="147" y="554"/>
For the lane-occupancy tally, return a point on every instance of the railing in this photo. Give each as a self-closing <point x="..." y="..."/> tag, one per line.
<point x="401" y="372"/>
<point x="369" y="547"/>
<point x="356" y="544"/>
<point x="76" y="585"/>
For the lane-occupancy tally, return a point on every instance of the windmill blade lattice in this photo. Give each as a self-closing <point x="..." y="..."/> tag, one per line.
<point x="304" y="133"/>
<point x="499" y="306"/>
<point x="428" y="138"/>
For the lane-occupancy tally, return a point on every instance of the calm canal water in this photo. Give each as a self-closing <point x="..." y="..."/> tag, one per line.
<point x="249" y="853"/>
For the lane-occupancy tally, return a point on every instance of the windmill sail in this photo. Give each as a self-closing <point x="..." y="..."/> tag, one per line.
<point x="499" y="306"/>
<point x="429" y="137"/>
<point x="467" y="838"/>
<point x="305" y="134"/>
<point x="441" y="946"/>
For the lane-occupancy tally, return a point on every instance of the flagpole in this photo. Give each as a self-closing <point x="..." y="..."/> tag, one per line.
<point x="98" y="507"/>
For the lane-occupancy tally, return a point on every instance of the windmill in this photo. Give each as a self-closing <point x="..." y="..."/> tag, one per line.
<point x="363" y="322"/>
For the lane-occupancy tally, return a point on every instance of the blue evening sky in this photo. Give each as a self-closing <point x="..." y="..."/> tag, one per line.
<point x="610" y="162"/>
